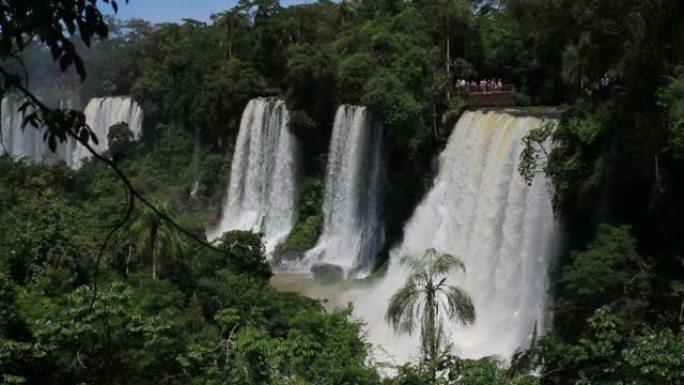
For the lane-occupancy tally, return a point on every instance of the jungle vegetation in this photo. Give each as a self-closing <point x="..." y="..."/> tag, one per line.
<point x="157" y="307"/>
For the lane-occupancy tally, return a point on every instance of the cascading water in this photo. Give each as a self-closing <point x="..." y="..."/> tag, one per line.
<point x="263" y="174"/>
<point x="17" y="141"/>
<point x="481" y="210"/>
<point x="101" y="113"/>
<point x="352" y="230"/>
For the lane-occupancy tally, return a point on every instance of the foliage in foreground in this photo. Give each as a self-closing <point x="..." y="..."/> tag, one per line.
<point x="72" y="312"/>
<point x="610" y="334"/>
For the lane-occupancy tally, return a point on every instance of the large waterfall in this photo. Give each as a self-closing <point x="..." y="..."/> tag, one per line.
<point x="481" y="210"/>
<point x="352" y="229"/>
<point x="101" y="114"/>
<point x="263" y="174"/>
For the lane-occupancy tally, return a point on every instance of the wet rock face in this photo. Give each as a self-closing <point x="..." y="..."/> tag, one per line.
<point x="327" y="273"/>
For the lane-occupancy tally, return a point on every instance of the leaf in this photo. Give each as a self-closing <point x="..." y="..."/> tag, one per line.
<point x="24" y="106"/>
<point x="52" y="143"/>
<point x="80" y="68"/>
<point x="64" y="62"/>
<point x="93" y="137"/>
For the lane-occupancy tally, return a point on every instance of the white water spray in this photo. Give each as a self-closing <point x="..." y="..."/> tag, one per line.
<point x="481" y="210"/>
<point x="263" y="174"/>
<point x="352" y="230"/>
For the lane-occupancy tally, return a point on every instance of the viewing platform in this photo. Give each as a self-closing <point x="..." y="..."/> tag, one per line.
<point x="478" y="98"/>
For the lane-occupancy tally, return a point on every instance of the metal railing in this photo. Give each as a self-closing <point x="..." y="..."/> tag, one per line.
<point x="477" y="90"/>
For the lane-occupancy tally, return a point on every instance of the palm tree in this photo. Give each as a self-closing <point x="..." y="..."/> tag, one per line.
<point x="155" y="236"/>
<point x="346" y="11"/>
<point x="424" y="295"/>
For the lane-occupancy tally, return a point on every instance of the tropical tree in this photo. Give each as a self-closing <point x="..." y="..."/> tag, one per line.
<point x="347" y="10"/>
<point x="576" y="63"/>
<point x="426" y="296"/>
<point x="156" y="236"/>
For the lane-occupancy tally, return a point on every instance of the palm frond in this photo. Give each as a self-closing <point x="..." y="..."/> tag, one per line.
<point x="443" y="264"/>
<point x="416" y="268"/>
<point x="412" y="263"/>
<point x="460" y="305"/>
<point x="172" y="242"/>
<point x="402" y="308"/>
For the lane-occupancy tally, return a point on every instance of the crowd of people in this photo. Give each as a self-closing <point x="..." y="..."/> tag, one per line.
<point x="484" y="85"/>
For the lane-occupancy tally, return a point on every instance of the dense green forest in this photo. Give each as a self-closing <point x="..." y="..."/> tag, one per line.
<point x="146" y="304"/>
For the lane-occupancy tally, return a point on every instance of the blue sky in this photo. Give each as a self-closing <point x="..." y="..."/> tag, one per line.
<point x="175" y="10"/>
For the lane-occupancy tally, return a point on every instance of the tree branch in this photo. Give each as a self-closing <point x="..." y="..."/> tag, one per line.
<point x="132" y="192"/>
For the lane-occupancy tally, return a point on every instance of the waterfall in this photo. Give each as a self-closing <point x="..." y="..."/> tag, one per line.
<point x="17" y="141"/>
<point x="263" y="174"/>
<point x="352" y="230"/>
<point x="481" y="210"/>
<point x="101" y="113"/>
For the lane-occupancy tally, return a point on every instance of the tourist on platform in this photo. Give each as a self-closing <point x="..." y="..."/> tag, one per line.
<point x="605" y="80"/>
